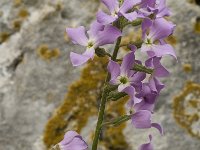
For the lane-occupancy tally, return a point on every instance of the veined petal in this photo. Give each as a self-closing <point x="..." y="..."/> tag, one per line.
<point x="104" y="18"/>
<point x="158" y="127"/>
<point x="147" y="146"/>
<point x="131" y="16"/>
<point x="95" y="28"/>
<point x="163" y="10"/>
<point x="142" y="119"/>
<point x="146" y="48"/>
<point x="127" y="63"/>
<point x="162" y="50"/>
<point x="107" y="36"/>
<point x="161" y="28"/>
<point x="113" y="69"/>
<point x="111" y="4"/>
<point x="128" y="4"/>
<point x="79" y="59"/>
<point x="77" y="35"/>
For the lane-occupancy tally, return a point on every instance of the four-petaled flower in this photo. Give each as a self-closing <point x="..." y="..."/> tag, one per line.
<point x="98" y="35"/>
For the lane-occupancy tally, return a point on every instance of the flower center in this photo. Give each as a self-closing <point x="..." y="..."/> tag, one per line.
<point x="90" y="44"/>
<point x="148" y="41"/>
<point x="123" y="80"/>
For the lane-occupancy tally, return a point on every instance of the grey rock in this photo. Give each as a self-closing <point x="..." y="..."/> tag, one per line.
<point x="31" y="90"/>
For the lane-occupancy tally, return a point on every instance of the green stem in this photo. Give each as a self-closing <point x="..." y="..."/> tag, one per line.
<point x="103" y="101"/>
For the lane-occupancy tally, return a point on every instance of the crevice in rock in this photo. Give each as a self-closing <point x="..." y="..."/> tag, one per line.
<point x="13" y="66"/>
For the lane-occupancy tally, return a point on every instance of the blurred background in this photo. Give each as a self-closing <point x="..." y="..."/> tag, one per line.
<point x="42" y="95"/>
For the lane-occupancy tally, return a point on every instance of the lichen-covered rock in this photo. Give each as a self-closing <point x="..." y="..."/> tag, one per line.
<point x="35" y="71"/>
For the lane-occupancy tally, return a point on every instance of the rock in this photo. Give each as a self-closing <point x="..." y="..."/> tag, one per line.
<point x="32" y="87"/>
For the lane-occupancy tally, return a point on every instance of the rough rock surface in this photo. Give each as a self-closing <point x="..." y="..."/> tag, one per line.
<point x="32" y="87"/>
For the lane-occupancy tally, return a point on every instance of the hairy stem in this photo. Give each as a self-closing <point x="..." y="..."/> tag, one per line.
<point x="103" y="101"/>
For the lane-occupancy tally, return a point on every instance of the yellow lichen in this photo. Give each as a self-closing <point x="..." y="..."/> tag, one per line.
<point x="186" y="107"/>
<point x="45" y="53"/>
<point x="4" y="37"/>
<point x="187" y="68"/>
<point x="197" y="25"/>
<point x="172" y="40"/>
<point x="17" y="24"/>
<point x="17" y="2"/>
<point x="80" y="103"/>
<point x="23" y="13"/>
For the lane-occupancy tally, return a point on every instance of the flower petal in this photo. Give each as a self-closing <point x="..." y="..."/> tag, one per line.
<point x="113" y="69"/>
<point x="131" y="16"/>
<point x="143" y="105"/>
<point x="111" y="4"/>
<point x="68" y="137"/>
<point x="160" y="29"/>
<point x="159" y="127"/>
<point x="127" y="63"/>
<point x="128" y="4"/>
<point x="104" y="18"/>
<point x="142" y="119"/>
<point x="162" y="50"/>
<point x="147" y="146"/>
<point x="77" y="35"/>
<point x="94" y="29"/>
<point x="79" y="59"/>
<point x="108" y="35"/>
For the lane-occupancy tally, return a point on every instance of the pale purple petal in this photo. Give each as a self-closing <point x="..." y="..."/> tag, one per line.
<point x="79" y="59"/>
<point x="113" y="69"/>
<point x="156" y="85"/>
<point x="138" y="77"/>
<point x="77" y="35"/>
<point x="146" y="48"/>
<point x="111" y="4"/>
<point x="158" y="127"/>
<point x="104" y="18"/>
<point x="161" y="50"/>
<point x="146" y="24"/>
<point x="128" y="4"/>
<point x="142" y="119"/>
<point x="107" y="36"/>
<point x="121" y="87"/>
<point x="127" y="63"/>
<point x="68" y="137"/>
<point x="146" y="3"/>
<point x="144" y="106"/>
<point x="131" y="16"/>
<point x="131" y="92"/>
<point x="73" y="141"/>
<point x="95" y="28"/>
<point x="160" y="29"/>
<point x="147" y="146"/>
<point x="163" y="10"/>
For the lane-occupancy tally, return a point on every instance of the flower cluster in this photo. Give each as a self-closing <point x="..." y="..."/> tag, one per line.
<point x="139" y="79"/>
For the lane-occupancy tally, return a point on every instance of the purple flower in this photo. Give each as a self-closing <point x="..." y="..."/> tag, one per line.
<point x="98" y="35"/>
<point x="147" y="146"/>
<point x="141" y="119"/>
<point x="159" y="70"/>
<point x="123" y="75"/>
<point x="149" y="93"/>
<point x="158" y="30"/>
<point x="73" y="141"/>
<point x="116" y="11"/>
<point x="160" y="9"/>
